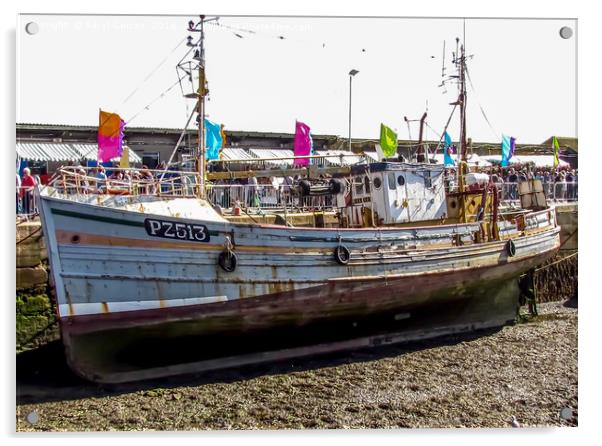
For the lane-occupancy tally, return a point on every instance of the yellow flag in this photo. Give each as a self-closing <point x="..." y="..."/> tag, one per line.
<point x="556" y="149"/>
<point x="124" y="162"/>
<point x="388" y="141"/>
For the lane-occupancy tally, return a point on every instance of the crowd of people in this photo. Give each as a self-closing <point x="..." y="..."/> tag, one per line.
<point x="559" y="183"/>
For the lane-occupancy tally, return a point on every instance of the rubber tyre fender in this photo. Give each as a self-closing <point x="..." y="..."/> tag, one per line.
<point x="342" y="255"/>
<point x="305" y="187"/>
<point x="337" y="186"/>
<point x="227" y="261"/>
<point x="510" y="248"/>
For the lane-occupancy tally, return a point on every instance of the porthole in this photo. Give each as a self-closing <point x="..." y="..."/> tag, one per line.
<point x="401" y="180"/>
<point x="377" y="183"/>
<point x="453" y="204"/>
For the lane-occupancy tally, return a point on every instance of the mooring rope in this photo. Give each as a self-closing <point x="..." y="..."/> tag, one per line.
<point x="30" y="235"/>
<point x="557" y="261"/>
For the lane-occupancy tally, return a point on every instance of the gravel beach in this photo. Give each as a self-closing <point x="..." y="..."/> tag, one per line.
<point x="523" y="374"/>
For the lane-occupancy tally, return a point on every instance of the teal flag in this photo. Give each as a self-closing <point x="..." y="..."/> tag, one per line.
<point x="505" y="150"/>
<point x="213" y="140"/>
<point x="447" y="148"/>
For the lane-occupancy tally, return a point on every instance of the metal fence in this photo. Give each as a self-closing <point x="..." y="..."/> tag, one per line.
<point x="559" y="192"/>
<point x="554" y="192"/>
<point x="26" y="200"/>
<point x="228" y="196"/>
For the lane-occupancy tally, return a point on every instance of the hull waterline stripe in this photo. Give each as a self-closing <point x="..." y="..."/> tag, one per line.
<point x="118" y="307"/>
<point x="97" y="218"/>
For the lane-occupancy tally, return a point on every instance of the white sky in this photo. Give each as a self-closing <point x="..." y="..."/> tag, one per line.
<point x="523" y="73"/>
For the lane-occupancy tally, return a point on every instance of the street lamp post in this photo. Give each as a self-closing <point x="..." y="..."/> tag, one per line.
<point x="351" y="74"/>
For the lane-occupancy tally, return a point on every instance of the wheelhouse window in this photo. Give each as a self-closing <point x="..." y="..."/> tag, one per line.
<point x="391" y="180"/>
<point x="359" y="185"/>
<point x="428" y="182"/>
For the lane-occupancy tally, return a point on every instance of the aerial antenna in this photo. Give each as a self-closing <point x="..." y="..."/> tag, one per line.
<point x="408" y="123"/>
<point x="443" y="61"/>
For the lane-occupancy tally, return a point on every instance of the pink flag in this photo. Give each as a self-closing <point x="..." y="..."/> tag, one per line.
<point x="110" y="136"/>
<point x="303" y="143"/>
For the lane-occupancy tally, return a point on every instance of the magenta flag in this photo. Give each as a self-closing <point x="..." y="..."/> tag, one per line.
<point x="303" y="143"/>
<point x="110" y="136"/>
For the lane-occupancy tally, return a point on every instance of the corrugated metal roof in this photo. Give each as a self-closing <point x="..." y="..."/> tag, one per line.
<point x="45" y="151"/>
<point x="233" y="153"/>
<point x="338" y="158"/>
<point x="276" y="153"/>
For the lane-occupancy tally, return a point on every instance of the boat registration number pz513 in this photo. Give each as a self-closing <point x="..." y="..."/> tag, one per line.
<point x="173" y="230"/>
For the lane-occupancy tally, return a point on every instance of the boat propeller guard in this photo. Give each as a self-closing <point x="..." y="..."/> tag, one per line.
<point x="342" y="255"/>
<point x="510" y="248"/>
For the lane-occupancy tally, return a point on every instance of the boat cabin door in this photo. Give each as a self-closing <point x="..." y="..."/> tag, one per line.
<point x="396" y="197"/>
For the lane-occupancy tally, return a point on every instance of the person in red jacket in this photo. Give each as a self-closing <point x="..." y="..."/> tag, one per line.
<point x="27" y="184"/>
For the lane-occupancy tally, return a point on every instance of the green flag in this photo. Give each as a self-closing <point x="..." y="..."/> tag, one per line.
<point x="556" y="148"/>
<point x="388" y="141"/>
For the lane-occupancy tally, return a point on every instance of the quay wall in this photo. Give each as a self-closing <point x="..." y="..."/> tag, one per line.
<point x="35" y="315"/>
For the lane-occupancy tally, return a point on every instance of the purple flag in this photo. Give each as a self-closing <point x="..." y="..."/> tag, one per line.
<point x="303" y="143"/>
<point x="110" y="136"/>
<point x="512" y="146"/>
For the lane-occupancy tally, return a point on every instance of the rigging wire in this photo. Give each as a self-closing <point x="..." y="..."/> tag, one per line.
<point x="147" y="107"/>
<point x="495" y="132"/>
<point x="235" y="30"/>
<point x="153" y="71"/>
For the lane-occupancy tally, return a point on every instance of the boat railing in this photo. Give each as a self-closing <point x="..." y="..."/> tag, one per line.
<point x="266" y="196"/>
<point x="120" y="181"/>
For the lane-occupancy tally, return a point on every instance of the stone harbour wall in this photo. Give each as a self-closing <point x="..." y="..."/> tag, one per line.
<point x="35" y="315"/>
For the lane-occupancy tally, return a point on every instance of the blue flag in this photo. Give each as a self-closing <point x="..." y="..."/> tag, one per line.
<point x="508" y="146"/>
<point x="447" y="145"/>
<point x="213" y="140"/>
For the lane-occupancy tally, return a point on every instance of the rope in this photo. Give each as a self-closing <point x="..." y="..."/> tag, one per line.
<point x="30" y="235"/>
<point x="37" y="334"/>
<point x="557" y="261"/>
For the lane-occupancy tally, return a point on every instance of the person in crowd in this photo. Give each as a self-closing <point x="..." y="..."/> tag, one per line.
<point x="101" y="179"/>
<point x="512" y="179"/>
<point x="547" y="184"/>
<point x="253" y="198"/>
<point x="82" y="182"/>
<point x="560" y="186"/>
<point x="569" y="185"/>
<point x="18" y="194"/>
<point x="28" y="183"/>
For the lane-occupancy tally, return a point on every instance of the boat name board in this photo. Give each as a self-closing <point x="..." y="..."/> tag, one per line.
<point x="176" y="230"/>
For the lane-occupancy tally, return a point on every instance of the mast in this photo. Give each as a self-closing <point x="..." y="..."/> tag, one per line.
<point x="200" y="94"/>
<point x="202" y="91"/>
<point x="460" y="59"/>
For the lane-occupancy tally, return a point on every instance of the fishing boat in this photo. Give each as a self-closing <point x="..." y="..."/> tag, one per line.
<point x="138" y="276"/>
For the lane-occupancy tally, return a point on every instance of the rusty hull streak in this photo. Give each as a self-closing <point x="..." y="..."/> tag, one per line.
<point x="353" y="295"/>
